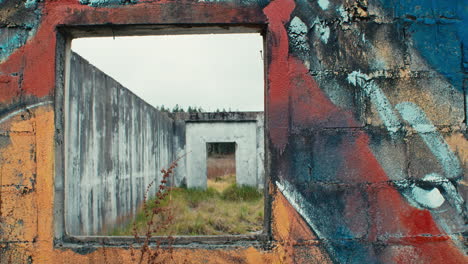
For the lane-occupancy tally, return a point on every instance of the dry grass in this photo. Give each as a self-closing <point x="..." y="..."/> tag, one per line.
<point x="221" y="183"/>
<point x="222" y="209"/>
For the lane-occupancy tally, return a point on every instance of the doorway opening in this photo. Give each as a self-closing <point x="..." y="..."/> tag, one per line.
<point x="220" y="165"/>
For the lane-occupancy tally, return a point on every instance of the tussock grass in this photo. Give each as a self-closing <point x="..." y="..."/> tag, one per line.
<point x="223" y="209"/>
<point x="241" y="193"/>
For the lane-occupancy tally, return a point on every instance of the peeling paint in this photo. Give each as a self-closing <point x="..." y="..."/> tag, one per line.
<point x="343" y="13"/>
<point x="9" y="44"/>
<point x="428" y="132"/>
<point x="30" y="3"/>
<point x="98" y="3"/>
<point x="378" y="98"/>
<point x="323" y="4"/>
<point x="322" y="30"/>
<point x="299" y="41"/>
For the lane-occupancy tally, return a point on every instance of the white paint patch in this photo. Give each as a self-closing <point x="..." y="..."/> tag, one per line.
<point x="428" y="198"/>
<point x="434" y="178"/>
<point x="324" y="34"/>
<point x="323" y="4"/>
<point x="12" y="114"/>
<point x="450" y="191"/>
<point x="30" y="3"/>
<point x="297" y="26"/>
<point x="428" y="132"/>
<point x="378" y="99"/>
<point x="343" y="13"/>
<point x="297" y="32"/>
<point x="322" y="31"/>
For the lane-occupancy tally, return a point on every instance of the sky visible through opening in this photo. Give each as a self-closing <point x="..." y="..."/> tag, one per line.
<point x="211" y="71"/>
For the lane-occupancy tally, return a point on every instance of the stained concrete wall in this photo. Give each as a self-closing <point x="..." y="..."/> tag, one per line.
<point x="246" y="129"/>
<point x="116" y="145"/>
<point x="199" y="134"/>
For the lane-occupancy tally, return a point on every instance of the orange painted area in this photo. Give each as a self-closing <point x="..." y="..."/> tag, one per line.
<point x="294" y="236"/>
<point x="459" y="145"/>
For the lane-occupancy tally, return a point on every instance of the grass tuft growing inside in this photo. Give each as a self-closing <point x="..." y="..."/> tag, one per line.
<point x="222" y="209"/>
<point x="241" y="193"/>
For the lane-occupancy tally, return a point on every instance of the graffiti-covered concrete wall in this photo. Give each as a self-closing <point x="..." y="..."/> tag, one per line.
<point x="365" y="119"/>
<point x="117" y="145"/>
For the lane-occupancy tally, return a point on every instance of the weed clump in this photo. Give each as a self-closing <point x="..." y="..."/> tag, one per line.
<point x="224" y="209"/>
<point x="155" y="218"/>
<point x="241" y="193"/>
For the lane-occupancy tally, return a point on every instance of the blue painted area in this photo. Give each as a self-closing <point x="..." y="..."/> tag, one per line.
<point x="322" y="209"/>
<point x="30" y="3"/>
<point x="303" y="161"/>
<point x="261" y="3"/>
<point x="440" y="46"/>
<point x="420" y="9"/>
<point x="110" y="3"/>
<point x="325" y="161"/>
<point x="101" y="3"/>
<point x="9" y="42"/>
<point x="13" y="38"/>
<point x="438" y="31"/>
<point x="463" y="34"/>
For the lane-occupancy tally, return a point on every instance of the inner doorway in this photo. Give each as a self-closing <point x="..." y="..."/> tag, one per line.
<point x="220" y="165"/>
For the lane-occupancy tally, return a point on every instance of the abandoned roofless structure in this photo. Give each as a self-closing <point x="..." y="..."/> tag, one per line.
<point x="365" y="128"/>
<point x="117" y="144"/>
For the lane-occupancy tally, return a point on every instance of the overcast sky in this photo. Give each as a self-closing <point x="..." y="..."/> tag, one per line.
<point x="210" y="71"/>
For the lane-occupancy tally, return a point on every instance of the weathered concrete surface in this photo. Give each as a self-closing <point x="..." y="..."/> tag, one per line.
<point x="244" y="135"/>
<point x="116" y="145"/>
<point x="333" y="68"/>
<point x="246" y="129"/>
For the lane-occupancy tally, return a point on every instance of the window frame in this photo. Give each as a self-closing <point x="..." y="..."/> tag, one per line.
<point x="64" y="36"/>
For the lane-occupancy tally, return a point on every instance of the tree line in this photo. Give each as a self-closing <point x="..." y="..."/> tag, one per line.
<point x="191" y="109"/>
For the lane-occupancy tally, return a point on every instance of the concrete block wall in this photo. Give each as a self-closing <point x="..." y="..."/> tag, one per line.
<point x="117" y="145"/>
<point x="365" y="120"/>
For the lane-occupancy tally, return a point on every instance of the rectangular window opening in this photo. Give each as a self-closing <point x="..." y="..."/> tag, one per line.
<point x="134" y="107"/>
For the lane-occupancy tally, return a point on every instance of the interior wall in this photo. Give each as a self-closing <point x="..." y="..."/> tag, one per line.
<point x="116" y="145"/>
<point x="244" y="134"/>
